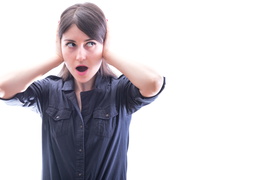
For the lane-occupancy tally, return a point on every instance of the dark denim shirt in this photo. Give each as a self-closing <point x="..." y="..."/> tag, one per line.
<point x="90" y="144"/>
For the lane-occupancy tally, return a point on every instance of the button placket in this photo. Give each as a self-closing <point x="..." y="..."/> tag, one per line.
<point x="80" y="149"/>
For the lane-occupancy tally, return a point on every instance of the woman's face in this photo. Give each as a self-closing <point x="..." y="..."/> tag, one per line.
<point x="82" y="55"/>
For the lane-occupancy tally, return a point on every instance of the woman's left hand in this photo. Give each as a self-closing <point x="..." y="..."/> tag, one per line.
<point x="107" y="45"/>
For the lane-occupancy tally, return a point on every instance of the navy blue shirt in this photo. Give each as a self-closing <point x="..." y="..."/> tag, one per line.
<point x="90" y="144"/>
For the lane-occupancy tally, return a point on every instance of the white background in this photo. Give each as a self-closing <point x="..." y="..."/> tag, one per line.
<point x="203" y="126"/>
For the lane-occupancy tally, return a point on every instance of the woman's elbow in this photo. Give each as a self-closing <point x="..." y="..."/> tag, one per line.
<point x="1" y="93"/>
<point x="154" y="86"/>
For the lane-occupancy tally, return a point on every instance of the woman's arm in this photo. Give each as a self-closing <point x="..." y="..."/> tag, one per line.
<point x="147" y="80"/>
<point x="18" y="81"/>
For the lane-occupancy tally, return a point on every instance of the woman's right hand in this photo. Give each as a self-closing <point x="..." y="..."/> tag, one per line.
<point x="58" y="45"/>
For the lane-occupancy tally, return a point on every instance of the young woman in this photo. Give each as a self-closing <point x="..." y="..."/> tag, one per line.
<point x="86" y="111"/>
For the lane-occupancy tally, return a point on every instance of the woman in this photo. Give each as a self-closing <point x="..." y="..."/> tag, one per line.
<point x="87" y="111"/>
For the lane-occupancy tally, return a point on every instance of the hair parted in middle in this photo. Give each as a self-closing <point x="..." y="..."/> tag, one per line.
<point x="90" y="19"/>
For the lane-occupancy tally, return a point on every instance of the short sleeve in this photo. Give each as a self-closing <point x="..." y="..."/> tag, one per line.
<point x="131" y="96"/>
<point x="31" y="97"/>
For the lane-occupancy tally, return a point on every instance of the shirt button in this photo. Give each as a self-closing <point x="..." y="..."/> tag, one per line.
<point x="80" y="150"/>
<point x="57" y="117"/>
<point x="107" y="115"/>
<point x="79" y="174"/>
<point x="81" y="126"/>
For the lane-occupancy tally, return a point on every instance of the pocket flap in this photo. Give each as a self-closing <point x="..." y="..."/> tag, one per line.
<point x="58" y="114"/>
<point x="106" y="113"/>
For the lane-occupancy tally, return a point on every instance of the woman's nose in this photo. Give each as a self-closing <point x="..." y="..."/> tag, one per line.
<point x="81" y="54"/>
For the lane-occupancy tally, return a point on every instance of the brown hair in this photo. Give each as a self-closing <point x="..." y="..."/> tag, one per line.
<point x="90" y="19"/>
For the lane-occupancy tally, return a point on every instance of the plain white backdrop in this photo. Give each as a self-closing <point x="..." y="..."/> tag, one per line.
<point x="203" y="126"/>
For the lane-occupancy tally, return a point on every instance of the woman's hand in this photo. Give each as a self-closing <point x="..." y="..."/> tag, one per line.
<point x="107" y="43"/>
<point x="58" y="45"/>
<point x="109" y="49"/>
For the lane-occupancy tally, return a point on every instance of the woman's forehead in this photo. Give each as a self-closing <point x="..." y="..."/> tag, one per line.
<point x="74" y="32"/>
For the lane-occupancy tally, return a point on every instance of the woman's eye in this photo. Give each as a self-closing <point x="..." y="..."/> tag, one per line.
<point x="90" y="44"/>
<point x="70" y="44"/>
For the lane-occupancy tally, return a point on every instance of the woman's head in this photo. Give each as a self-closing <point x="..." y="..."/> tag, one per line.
<point x="89" y="19"/>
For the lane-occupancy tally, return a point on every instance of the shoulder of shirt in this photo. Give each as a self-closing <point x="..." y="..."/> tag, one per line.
<point x="53" y="78"/>
<point x="121" y="78"/>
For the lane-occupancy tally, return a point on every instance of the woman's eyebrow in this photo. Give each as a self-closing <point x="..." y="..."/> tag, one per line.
<point x="71" y="40"/>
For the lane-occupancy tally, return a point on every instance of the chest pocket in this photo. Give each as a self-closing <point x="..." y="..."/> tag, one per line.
<point x="104" y="121"/>
<point x="59" y="120"/>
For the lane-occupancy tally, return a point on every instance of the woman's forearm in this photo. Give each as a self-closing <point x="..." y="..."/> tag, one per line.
<point x="18" y="81"/>
<point x="147" y="80"/>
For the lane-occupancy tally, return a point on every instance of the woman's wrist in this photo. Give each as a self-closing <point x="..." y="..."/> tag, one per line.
<point x="57" y="60"/>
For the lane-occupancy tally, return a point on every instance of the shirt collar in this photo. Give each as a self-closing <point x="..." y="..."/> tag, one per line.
<point x="68" y="85"/>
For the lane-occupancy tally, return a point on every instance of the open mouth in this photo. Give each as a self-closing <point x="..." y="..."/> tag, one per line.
<point x="81" y="68"/>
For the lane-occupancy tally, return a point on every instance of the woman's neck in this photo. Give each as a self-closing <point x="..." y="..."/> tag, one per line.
<point x="87" y="86"/>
